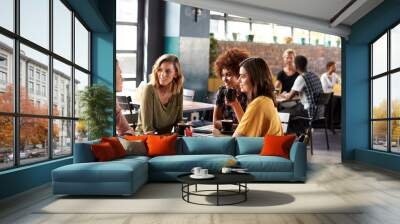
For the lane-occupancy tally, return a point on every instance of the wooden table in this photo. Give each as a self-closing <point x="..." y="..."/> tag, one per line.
<point x="190" y="106"/>
<point x="193" y="106"/>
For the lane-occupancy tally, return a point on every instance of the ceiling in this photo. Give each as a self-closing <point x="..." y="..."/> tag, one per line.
<point x="317" y="15"/>
<point x="320" y="9"/>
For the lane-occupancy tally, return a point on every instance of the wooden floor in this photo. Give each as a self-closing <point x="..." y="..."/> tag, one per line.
<point x="376" y="189"/>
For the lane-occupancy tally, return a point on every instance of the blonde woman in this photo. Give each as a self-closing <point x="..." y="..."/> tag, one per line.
<point x="162" y="98"/>
<point x="285" y="78"/>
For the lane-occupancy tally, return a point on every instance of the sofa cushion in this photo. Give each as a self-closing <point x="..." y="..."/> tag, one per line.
<point x="277" y="145"/>
<point x="103" y="152"/>
<point x="159" y="145"/>
<point x="185" y="163"/>
<point x="116" y="145"/>
<point x="249" y="145"/>
<point x="257" y="163"/>
<point x="134" y="147"/>
<point x="206" y="145"/>
<point x="133" y="157"/>
<point x="136" y="137"/>
<point x="112" y="171"/>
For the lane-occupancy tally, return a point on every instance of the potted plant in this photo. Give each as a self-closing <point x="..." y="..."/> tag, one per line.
<point x="97" y="102"/>
<point x="275" y="39"/>
<point x="288" y="40"/>
<point x="316" y="41"/>
<point x="213" y="80"/>
<point x="303" y="41"/>
<point x="250" y="38"/>
<point x="235" y="36"/>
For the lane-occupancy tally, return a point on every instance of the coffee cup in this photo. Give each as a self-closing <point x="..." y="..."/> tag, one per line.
<point x="227" y="125"/>
<point x="203" y="172"/>
<point x="197" y="171"/>
<point x="230" y="94"/>
<point x="226" y="170"/>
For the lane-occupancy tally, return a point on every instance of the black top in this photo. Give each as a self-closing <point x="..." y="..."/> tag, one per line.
<point x="287" y="81"/>
<point x="227" y="111"/>
<point x="220" y="178"/>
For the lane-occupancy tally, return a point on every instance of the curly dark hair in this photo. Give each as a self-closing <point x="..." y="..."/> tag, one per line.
<point x="230" y="60"/>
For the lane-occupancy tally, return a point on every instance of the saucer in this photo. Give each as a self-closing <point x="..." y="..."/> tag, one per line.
<point x="208" y="176"/>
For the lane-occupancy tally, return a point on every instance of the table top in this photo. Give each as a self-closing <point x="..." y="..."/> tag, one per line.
<point x="220" y="178"/>
<point x="190" y="106"/>
<point x="282" y="100"/>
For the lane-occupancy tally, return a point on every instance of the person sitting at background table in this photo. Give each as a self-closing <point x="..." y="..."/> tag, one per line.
<point x="261" y="117"/>
<point x="161" y="106"/>
<point x="309" y="87"/>
<point x="121" y="124"/>
<point x="330" y="78"/>
<point x="227" y="68"/>
<point x="285" y="78"/>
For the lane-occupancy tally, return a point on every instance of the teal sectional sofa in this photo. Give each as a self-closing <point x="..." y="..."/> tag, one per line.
<point x="125" y="176"/>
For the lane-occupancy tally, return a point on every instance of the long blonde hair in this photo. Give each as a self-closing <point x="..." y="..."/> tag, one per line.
<point x="177" y="83"/>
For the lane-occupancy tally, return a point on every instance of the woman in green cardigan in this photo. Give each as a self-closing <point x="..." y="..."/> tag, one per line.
<point x="161" y="104"/>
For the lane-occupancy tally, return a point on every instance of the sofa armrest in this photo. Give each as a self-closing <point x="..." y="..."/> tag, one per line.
<point x="298" y="155"/>
<point x="83" y="152"/>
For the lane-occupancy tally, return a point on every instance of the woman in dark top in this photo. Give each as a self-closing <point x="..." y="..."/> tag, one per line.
<point x="227" y="68"/>
<point x="286" y="77"/>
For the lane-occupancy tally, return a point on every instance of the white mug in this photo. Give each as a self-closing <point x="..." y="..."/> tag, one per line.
<point x="226" y="170"/>
<point x="203" y="172"/>
<point x="196" y="171"/>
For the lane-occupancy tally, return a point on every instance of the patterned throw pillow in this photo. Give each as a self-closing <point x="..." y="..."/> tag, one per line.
<point x="134" y="147"/>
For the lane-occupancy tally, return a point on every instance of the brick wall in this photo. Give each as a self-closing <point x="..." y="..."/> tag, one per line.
<point x="317" y="56"/>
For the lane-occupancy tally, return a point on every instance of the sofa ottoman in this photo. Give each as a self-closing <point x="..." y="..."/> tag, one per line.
<point x="119" y="177"/>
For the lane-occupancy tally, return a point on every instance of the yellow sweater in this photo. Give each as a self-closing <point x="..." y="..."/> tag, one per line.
<point x="261" y="118"/>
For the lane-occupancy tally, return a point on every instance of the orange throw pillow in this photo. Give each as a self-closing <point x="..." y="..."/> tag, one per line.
<point x="103" y="152"/>
<point x="159" y="145"/>
<point x="136" y="137"/>
<point x="277" y="145"/>
<point x="116" y="145"/>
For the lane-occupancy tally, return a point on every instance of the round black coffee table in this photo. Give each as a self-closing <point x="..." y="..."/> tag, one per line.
<point x="238" y="179"/>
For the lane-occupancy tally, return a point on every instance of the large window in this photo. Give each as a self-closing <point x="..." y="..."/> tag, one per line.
<point x="44" y="64"/>
<point x="385" y="96"/>
<point x="230" y="27"/>
<point x="127" y="43"/>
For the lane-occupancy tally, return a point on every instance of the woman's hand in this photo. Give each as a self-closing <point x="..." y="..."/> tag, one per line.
<point x="231" y="103"/>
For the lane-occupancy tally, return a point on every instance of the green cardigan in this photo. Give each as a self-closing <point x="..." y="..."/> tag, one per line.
<point x="156" y="117"/>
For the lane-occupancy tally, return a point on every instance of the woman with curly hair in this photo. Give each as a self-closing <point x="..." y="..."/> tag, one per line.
<point x="227" y="68"/>
<point x="261" y="117"/>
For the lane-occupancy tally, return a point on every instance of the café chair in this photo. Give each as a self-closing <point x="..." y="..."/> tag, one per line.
<point x="125" y="102"/>
<point x="319" y="115"/>
<point x="188" y="94"/>
<point x="284" y="117"/>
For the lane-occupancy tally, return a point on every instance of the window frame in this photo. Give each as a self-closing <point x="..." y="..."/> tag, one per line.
<point x="139" y="52"/>
<point x="388" y="74"/>
<point x="229" y="17"/>
<point x="16" y="115"/>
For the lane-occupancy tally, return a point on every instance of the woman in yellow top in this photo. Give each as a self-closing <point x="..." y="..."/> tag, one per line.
<point x="161" y="106"/>
<point x="261" y="117"/>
